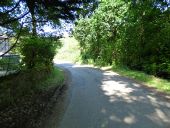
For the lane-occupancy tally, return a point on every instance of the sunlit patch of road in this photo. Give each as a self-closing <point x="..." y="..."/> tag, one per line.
<point x="104" y="99"/>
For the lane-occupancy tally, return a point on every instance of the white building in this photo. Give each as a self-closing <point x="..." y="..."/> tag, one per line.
<point x="4" y="44"/>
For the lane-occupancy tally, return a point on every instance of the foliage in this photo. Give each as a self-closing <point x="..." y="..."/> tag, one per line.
<point x="145" y="44"/>
<point x="36" y="13"/>
<point x="10" y="62"/>
<point x="97" y="34"/>
<point x="69" y="51"/>
<point x="149" y="80"/>
<point x="38" y="52"/>
<point x="24" y="96"/>
<point x="134" y="34"/>
<point x="25" y="83"/>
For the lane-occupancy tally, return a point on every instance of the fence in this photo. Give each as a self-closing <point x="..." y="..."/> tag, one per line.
<point x="9" y="64"/>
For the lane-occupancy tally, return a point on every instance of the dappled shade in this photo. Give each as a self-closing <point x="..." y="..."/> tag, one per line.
<point x="105" y="99"/>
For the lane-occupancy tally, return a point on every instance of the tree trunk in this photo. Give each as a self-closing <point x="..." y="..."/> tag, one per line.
<point x="34" y="27"/>
<point x="31" y="6"/>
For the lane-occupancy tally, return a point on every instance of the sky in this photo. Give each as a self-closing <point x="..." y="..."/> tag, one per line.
<point x="64" y="30"/>
<point x="47" y="28"/>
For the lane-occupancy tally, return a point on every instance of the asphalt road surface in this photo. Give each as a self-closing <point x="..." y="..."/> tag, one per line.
<point x="104" y="99"/>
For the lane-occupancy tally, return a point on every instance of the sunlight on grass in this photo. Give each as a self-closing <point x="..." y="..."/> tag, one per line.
<point x="55" y="79"/>
<point x="70" y="50"/>
<point x="149" y="80"/>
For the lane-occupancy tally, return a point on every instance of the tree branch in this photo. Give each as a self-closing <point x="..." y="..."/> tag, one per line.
<point x="12" y="20"/>
<point x="18" y="36"/>
<point x="8" y="11"/>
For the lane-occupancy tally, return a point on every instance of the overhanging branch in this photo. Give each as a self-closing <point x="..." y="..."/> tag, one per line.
<point x="12" y="20"/>
<point x="18" y="36"/>
<point x="16" y="5"/>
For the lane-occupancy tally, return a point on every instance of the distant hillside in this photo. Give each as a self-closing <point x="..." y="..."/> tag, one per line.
<point x="70" y="50"/>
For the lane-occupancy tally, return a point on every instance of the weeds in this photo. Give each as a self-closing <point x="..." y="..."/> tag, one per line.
<point x="149" y="80"/>
<point x="17" y="87"/>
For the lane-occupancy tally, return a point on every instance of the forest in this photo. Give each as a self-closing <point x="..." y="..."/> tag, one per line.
<point x="133" y="34"/>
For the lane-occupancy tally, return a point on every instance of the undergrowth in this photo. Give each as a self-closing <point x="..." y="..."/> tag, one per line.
<point x="26" y="84"/>
<point x="149" y="80"/>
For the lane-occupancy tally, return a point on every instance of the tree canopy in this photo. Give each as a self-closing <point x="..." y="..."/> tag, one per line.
<point x="25" y="17"/>
<point x="35" y="13"/>
<point x="134" y="33"/>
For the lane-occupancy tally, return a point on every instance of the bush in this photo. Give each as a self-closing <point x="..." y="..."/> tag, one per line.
<point x="38" y="52"/>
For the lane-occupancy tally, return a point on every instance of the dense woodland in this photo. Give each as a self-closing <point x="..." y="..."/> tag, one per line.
<point x="134" y="34"/>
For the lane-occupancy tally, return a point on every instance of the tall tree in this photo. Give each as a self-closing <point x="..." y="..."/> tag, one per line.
<point x="41" y="11"/>
<point x="33" y="14"/>
<point x="133" y="33"/>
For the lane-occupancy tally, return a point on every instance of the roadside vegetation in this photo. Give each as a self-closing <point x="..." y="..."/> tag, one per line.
<point x="25" y="94"/>
<point x="70" y="52"/>
<point x="27" y="51"/>
<point x="131" y="36"/>
<point x="20" y="85"/>
<point x="161" y="85"/>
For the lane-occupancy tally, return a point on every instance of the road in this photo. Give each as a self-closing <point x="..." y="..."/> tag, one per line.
<point x="104" y="99"/>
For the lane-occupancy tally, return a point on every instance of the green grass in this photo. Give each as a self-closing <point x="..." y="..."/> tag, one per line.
<point x="149" y="80"/>
<point x="70" y="50"/>
<point x="55" y="78"/>
<point x="26" y="84"/>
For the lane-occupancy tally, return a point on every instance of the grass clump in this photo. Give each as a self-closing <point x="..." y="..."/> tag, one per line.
<point x="25" y="96"/>
<point x="149" y="80"/>
<point x="26" y="84"/>
<point x="56" y="77"/>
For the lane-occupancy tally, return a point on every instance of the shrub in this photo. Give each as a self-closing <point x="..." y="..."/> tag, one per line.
<point x="38" y="52"/>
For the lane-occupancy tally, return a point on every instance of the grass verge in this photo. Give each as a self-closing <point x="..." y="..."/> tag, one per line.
<point x="149" y="80"/>
<point x="24" y="96"/>
<point x="56" y="78"/>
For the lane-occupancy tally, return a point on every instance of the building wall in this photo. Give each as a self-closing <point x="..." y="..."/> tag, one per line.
<point x="4" y="46"/>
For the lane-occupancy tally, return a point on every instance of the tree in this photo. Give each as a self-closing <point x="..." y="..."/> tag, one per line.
<point x="31" y="15"/>
<point x="40" y="11"/>
<point x="131" y="33"/>
<point x="97" y="34"/>
<point x="145" y="44"/>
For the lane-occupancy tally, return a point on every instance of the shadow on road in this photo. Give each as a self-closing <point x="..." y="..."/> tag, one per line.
<point x="103" y="99"/>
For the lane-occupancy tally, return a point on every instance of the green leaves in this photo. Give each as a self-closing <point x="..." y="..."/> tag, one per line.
<point x="97" y="34"/>
<point x="135" y="34"/>
<point x="38" y="52"/>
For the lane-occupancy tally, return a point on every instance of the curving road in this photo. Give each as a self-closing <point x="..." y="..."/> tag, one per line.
<point x="104" y="99"/>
